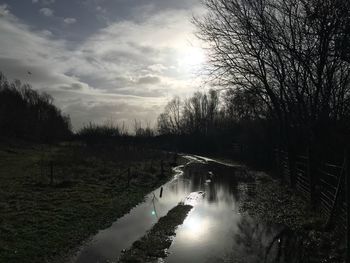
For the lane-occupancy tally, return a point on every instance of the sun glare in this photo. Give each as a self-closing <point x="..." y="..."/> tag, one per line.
<point x="195" y="227"/>
<point x="191" y="58"/>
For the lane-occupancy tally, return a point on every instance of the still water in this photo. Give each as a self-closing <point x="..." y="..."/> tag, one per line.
<point x="214" y="230"/>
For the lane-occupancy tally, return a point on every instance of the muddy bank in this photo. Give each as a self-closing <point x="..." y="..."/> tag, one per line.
<point x="270" y="201"/>
<point x="154" y="244"/>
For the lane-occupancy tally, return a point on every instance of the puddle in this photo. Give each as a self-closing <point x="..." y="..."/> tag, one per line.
<point x="214" y="230"/>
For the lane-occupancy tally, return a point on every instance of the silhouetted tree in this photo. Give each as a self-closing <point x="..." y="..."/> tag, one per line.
<point x="169" y="122"/>
<point x="285" y="53"/>
<point x="28" y="114"/>
<point x="292" y="56"/>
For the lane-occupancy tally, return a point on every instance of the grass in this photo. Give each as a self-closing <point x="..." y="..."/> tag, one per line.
<point x="153" y="245"/>
<point x="277" y="203"/>
<point x="42" y="222"/>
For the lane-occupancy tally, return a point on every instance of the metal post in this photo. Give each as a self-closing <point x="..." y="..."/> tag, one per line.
<point x="161" y="192"/>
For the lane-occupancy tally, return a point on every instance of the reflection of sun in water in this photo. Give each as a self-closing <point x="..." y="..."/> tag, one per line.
<point x="191" y="58"/>
<point x="195" y="227"/>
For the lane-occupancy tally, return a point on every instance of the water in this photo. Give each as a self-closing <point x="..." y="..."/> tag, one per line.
<point x="214" y="230"/>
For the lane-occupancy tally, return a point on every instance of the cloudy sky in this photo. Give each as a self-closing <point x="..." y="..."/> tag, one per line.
<point x="103" y="60"/>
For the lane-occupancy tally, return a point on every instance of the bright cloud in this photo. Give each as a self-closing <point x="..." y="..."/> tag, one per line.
<point x="127" y="70"/>
<point x="46" y="11"/>
<point x="4" y="10"/>
<point x="69" y="20"/>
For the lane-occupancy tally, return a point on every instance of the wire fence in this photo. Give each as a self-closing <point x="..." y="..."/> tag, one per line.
<point x="303" y="184"/>
<point x="327" y="182"/>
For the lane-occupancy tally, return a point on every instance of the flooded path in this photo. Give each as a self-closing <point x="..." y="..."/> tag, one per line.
<point x="214" y="231"/>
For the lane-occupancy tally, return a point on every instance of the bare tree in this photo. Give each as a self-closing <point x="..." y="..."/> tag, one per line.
<point x="286" y="53"/>
<point x="242" y="105"/>
<point x="173" y="111"/>
<point x="26" y="113"/>
<point x="169" y="122"/>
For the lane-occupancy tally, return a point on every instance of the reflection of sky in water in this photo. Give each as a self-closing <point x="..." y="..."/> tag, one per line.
<point x="107" y="244"/>
<point x="207" y="231"/>
<point x="212" y="231"/>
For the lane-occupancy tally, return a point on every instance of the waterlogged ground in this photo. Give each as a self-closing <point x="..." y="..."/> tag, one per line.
<point x="42" y="221"/>
<point x="213" y="231"/>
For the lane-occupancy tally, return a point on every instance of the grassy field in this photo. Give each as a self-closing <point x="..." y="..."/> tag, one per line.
<point x="41" y="220"/>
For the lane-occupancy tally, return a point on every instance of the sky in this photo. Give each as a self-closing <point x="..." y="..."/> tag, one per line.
<point x="103" y="60"/>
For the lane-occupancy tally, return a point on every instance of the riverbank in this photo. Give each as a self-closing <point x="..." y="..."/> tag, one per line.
<point x="272" y="202"/>
<point x="53" y="198"/>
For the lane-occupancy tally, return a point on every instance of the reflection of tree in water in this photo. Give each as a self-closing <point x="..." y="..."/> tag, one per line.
<point x="256" y="242"/>
<point x="223" y="183"/>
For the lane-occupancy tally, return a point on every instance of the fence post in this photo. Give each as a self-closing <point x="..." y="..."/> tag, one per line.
<point x="51" y="173"/>
<point x="292" y="169"/>
<point x="41" y="163"/>
<point x="129" y="175"/>
<point x="161" y="168"/>
<point x="277" y="162"/>
<point x="347" y="197"/>
<point x="312" y="162"/>
<point x="175" y="159"/>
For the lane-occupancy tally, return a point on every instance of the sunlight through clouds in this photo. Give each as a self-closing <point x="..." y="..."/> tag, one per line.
<point x="127" y="62"/>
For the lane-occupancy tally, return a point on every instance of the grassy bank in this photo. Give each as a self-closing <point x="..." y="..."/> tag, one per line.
<point x="277" y="203"/>
<point x="42" y="218"/>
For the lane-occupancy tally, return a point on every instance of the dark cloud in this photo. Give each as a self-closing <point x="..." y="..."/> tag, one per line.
<point x="143" y="49"/>
<point x="74" y="86"/>
<point x="43" y="2"/>
<point x="18" y="69"/>
<point x="118" y="112"/>
<point x="127" y="57"/>
<point x="91" y="14"/>
<point x="141" y="92"/>
<point x="148" y="80"/>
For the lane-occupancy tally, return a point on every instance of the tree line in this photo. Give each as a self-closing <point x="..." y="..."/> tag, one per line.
<point x="285" y="66"/>
<point x="283" y="72"/>
<point x="212" y="122"/>
<point x="28" y="114"/>
<point x="291" y="54"/>
<point x="113" y="134"/>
